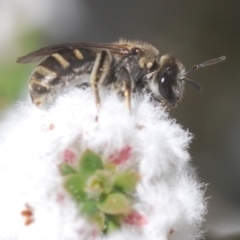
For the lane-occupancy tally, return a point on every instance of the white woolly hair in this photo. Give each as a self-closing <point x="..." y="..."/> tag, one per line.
<point x="32" y="143"/>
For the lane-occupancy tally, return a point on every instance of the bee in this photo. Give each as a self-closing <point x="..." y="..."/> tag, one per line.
<point x="124" y="66"/>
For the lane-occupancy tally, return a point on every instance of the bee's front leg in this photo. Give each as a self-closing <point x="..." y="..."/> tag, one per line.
<point x="100" y="71"/>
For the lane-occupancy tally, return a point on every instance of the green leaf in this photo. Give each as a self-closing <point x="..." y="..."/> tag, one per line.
<point x="99" y="183"/>
<point x="127" y="181"/>
<point x="89" y="163"/>
<point x="89" y="208"/>
<point x="91" y="211"/>
<point x="100" y="220"/>
<point x="105" y="177"/>
<point x="110" y="166"/>
<point x="93" y="187"/>
<point x="75" y="184"/>
<point x="115" y="203"/>
<point x="113" y="222"/>
<point x="66" y="169"/>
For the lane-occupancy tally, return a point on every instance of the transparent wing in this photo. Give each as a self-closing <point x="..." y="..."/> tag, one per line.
<point x="46" y="51"/>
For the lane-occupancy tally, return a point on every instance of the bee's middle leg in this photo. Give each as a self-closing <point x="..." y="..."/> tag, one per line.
<point x="125" y="85"/>
<point x="99" y="73"/>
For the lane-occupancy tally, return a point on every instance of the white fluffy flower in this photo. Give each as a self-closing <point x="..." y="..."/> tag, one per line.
<point x="169" y="201"/>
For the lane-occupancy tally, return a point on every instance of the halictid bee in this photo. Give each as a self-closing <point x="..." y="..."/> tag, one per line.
<point x="123" y="66"/>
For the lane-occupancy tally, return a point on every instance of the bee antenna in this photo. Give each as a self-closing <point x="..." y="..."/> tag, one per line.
<point x="194" y="84"/>
<point x="205" y="64"/>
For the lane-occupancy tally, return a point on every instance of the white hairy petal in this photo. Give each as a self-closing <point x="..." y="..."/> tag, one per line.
<point x="169" y="198"/>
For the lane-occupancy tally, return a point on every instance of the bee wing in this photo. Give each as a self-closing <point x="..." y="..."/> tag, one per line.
<point x="46" y="51"/>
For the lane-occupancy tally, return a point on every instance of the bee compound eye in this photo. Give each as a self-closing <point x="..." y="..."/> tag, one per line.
<point x="165" y="88"/>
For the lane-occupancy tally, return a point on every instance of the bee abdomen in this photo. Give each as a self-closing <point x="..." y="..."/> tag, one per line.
<point x="57" y="71"/>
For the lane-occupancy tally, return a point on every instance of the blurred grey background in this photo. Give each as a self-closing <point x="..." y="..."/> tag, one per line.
<point x="193" y="31"/>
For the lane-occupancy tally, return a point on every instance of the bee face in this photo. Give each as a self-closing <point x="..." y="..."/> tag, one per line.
<point x="166" y="85"/>
<point x="124" y="66"/>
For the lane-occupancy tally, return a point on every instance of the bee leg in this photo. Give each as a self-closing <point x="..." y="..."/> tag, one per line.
<point x="163" y="104"/>
<point x="125" y="83"/>
<point x="99" y="73"/>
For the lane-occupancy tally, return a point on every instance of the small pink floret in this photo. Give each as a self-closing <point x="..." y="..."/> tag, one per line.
<point x="69" y="157"/>
<point x="60" y="199"/>
<point x="121" y="156"/>
<point x="135" y="219"/>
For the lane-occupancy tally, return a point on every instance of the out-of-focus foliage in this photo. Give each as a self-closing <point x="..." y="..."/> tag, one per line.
<point x="13" y="76"/>
<point x="24" y="27"/>
<point x="19" y="35"/>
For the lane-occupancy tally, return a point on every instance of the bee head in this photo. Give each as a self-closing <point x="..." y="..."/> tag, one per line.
<point x="165" y="83"/>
